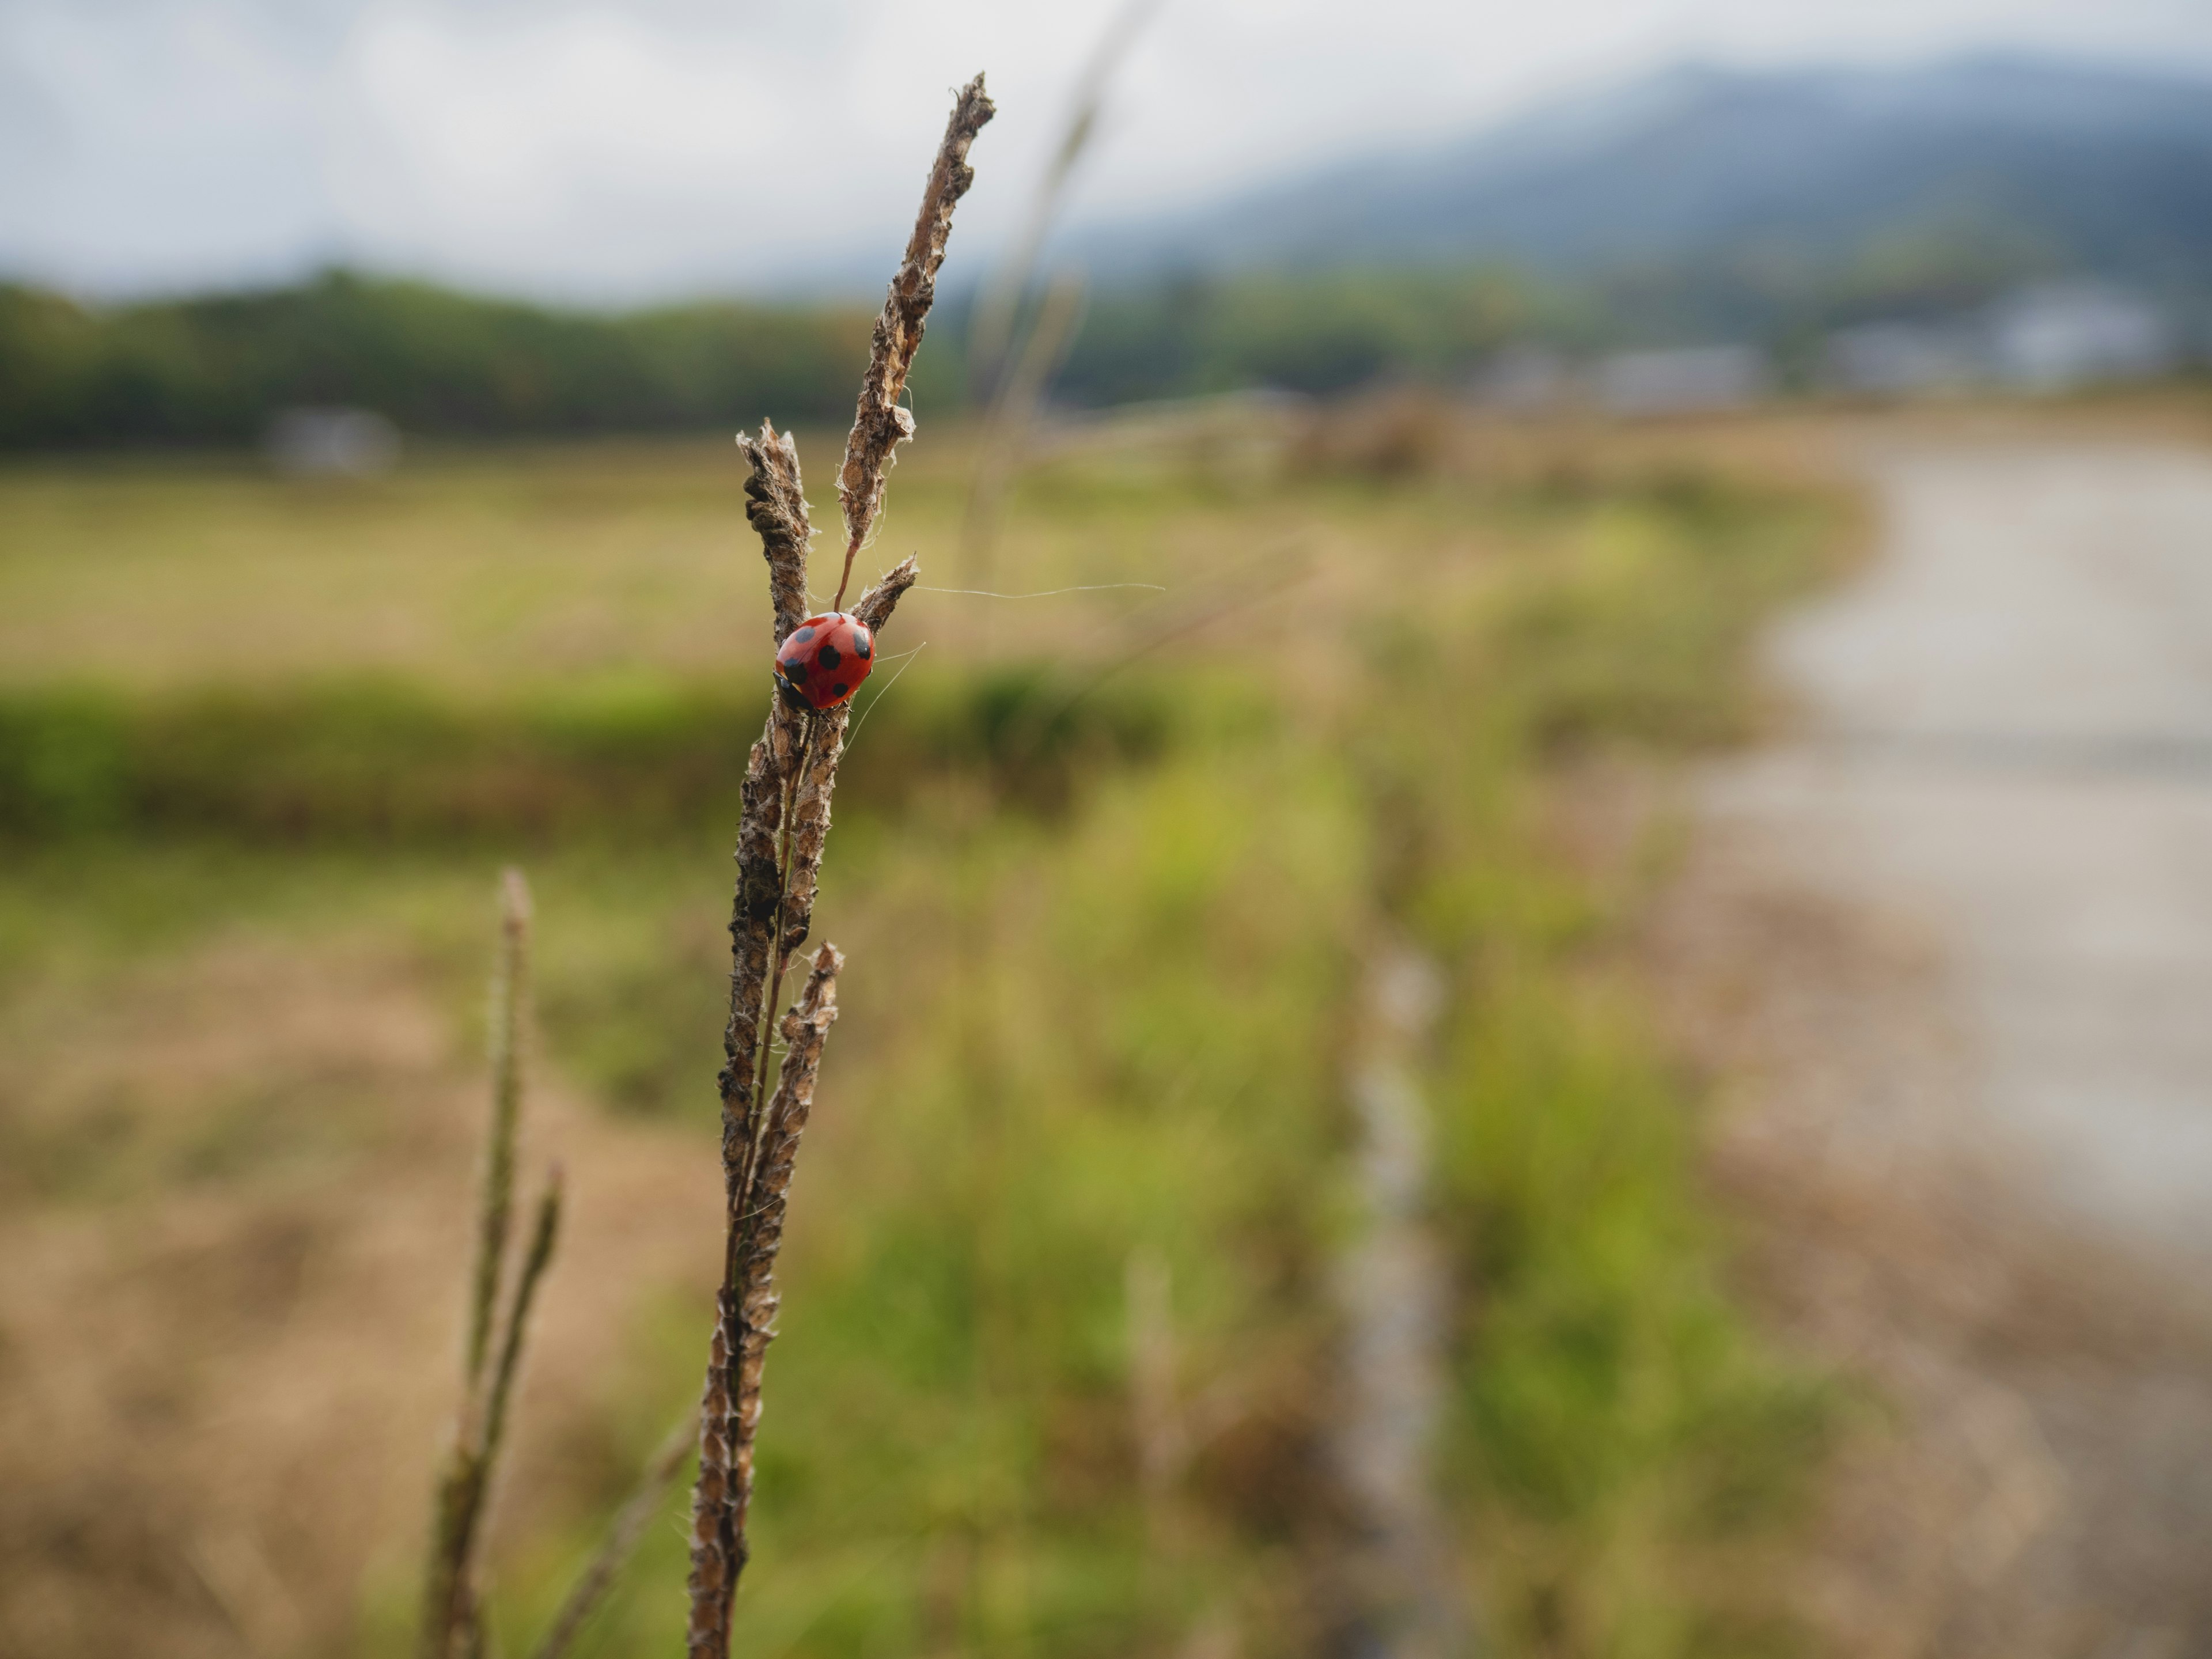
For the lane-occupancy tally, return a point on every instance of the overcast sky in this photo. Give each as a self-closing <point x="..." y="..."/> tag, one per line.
<point x="606" y="152"/>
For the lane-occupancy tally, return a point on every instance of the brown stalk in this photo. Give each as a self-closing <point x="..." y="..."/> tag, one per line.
<point x="879" y="425"/>
<point x="784" y="822"/>
<point x="790" y="778"/>
<point x="805" y="1028"/>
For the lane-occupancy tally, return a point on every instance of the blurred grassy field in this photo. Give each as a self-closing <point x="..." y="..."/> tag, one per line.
<point x="1106" y="866"/>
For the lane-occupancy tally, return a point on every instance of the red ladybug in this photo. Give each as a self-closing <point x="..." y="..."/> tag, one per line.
<point x="824" y="660"/>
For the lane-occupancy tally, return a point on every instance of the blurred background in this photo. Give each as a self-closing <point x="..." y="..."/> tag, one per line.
<point x="1528" y="906"/>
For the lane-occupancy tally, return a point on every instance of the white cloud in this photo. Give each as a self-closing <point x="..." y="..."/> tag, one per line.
<point x="614" y="150"/>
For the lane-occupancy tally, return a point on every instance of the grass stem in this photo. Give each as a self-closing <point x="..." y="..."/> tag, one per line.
<point x="451" y="1622"/>
<point x="623" y="1536"/>
<point x="509" y="993"/>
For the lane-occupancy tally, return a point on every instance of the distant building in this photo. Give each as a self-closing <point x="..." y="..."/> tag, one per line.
<point x="1685" y="379"/>
<point x="1905" y="360"/>
<point x="2048" y="339"/>
<point x="332" y="443"/>
<point x="2045" y="339"/>
<point x="1524" y="380"/>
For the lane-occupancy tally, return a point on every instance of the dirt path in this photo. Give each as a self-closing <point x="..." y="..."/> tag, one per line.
<point x="1955" y="941"/>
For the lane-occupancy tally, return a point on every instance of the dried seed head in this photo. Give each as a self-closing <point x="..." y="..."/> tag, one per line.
<point x="879" y="425"/>
<point x="775" y="507"/>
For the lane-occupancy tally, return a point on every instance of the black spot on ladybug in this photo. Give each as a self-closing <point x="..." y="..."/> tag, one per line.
<point x="803" y="634"/>
<point x="861" y="645"/>
<point x="837" y="690"/>
<point x="828" y="657"/>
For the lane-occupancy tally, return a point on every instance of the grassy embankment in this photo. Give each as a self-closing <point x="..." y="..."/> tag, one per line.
<point x="1104" y="867"/>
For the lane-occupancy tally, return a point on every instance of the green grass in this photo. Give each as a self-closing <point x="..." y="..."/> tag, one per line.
<point x="1102" y="951"/>
<point x="387" y="761"/>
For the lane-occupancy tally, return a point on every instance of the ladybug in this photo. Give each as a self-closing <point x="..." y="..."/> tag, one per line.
<point x="823" y="660"/>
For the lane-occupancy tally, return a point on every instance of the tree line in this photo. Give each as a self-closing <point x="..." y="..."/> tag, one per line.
<point x="215" y="370"/>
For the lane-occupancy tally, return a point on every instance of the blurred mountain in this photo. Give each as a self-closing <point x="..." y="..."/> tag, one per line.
<point x="1817" y="181"/>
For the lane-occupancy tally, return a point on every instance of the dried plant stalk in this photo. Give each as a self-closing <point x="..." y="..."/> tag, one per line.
<point x="880" y="426"/>
<point x="448" y="1601"/>
<point x="452" y="1622"/>
<point x="1013" y="412"/>
<point x="805" y="1028"/>
<point x="714" y="1563"/>
<point x="479" y="1459"/>
<point x="623" y="1537"/>
<point x="775" y="507"/>
<point x="510" y="992"/>
<point x="784" y="823"/>
<point x="450" y="1616"/>
<point x="991" y="334"/>
<point x="540" y="1256"/>
<point x="790" y="778"/>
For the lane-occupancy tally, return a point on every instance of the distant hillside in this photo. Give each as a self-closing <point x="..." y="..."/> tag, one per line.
<point x="1704" y="198"/>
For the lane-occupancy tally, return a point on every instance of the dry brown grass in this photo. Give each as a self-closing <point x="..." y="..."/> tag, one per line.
<point x="177" y="1363"/>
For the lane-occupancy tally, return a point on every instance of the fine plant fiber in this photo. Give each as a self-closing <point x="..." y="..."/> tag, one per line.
<point x="991" y="337"/>
<point x="1013" y="414"/>
<point x="879" y="424"/>
<point x="1011" y="370"/>
<point x="783" y="823"/>
<point x="624" y="1534"/>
